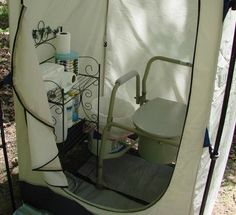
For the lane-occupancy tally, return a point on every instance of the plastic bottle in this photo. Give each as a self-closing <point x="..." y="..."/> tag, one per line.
<point x="69" y="112"/>
<point x="75" y="115"/>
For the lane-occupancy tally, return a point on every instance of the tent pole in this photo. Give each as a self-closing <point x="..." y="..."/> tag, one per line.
<point x="215" y="151"/>
<point x="4" y="147"/>
<point x="105" y="51"/>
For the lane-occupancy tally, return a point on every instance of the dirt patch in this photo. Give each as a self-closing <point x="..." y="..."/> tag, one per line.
<point x="226" y="201"/>
<point x="6" y="99"/>
<point x="5" y="201"/>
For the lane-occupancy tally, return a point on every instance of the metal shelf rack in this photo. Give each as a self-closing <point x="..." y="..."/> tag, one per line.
<point x="86" y="86"/>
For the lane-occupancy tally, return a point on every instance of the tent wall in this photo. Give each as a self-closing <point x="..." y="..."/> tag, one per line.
<point x="28" y="80"/>
<point x="25" y="169"/>
<point x="86" y="21"/>
<point x="29" y="91"/>
<point x="139" y="30"/>
<point x="226" y="140"/>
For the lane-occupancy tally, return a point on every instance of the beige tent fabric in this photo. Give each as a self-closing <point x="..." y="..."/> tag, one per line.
<point x="28" y="84"/>
<point x="179" y="195"/>
<point x="220" y="83"/>
<point x="137" y="30"/>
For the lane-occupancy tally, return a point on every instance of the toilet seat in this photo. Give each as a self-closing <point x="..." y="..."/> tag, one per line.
<point x="160" y="118"/>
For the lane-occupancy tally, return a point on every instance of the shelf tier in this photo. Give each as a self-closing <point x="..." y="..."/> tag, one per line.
<point x="58" y="97"/>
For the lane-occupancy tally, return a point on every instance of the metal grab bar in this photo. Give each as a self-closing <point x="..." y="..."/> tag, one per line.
<point x="139" y="100"/>
<point x="118" y="83"/>
<point x="146" y="73"/>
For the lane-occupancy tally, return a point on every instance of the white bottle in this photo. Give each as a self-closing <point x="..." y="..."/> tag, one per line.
<point x="69" y="113"/>
<point x="75" y="115"/>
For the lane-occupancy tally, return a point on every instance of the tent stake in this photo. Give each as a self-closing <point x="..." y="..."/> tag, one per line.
<point x="215" y="152"/>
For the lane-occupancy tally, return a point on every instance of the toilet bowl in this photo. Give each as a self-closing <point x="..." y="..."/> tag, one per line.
<point x="121" y="115"/>
<point x="159" y="122"/>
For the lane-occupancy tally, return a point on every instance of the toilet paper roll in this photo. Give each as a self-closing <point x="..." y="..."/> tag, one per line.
<point x="68" y="80"/>
<point x="63" y="43"/>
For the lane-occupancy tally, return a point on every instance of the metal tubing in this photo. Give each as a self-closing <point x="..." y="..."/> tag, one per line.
<point x="63" y="118"/>
<point x="221" y="123"/>
<point x="98" y="117"/>
<point x="4" y="147"/>
<point x="105" y="48"/>
<point x="108" y="126"/>
<point x="170" y="141"/>
<point x="114" y="91"/>
<point x="146" y="73"/>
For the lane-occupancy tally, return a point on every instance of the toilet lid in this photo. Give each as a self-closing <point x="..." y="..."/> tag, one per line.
<point x="161" y="117"/>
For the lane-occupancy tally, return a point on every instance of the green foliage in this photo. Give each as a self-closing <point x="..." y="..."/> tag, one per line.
<point x="4" y="30"/>
<point x="3" y="11"/>
<point x="3" y="16"/>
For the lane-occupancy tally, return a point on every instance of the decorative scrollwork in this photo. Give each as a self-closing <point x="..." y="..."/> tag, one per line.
<point x="96" y="83"/>
<point x="89" y="66"/>
<point x="58" y="110"/>
<point x="44" y="33"/>
<point x="87" y="110"/>
<point x="87" y="106"/>
<point x="88" y="69"/>
<point x="54" y="121"/>
<point x="87" y="83"/>
<point x="88" y="93"/>
<point x="94" y="117"/>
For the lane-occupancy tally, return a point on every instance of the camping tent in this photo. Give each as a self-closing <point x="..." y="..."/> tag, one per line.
<point x="123" y="36"/>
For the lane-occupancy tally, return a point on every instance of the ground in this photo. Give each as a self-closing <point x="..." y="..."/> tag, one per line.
<point x="225" y="204"/>
<point x="226" y="201"/>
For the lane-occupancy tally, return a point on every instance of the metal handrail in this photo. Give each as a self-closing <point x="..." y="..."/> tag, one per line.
<point x="122" y="80"/>
<point x="139" y="100"/>
<point x="146" y="73"/>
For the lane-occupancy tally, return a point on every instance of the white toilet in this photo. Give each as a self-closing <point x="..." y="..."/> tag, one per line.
<point x="159" y="120"/>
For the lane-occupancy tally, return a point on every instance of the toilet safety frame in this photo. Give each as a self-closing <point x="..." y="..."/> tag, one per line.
<point x="140" y="99"/>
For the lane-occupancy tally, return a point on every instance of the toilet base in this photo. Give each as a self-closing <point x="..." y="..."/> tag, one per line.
<point x="157" y="151"/>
